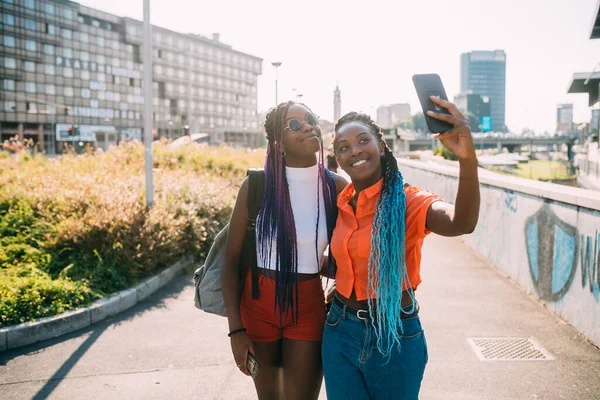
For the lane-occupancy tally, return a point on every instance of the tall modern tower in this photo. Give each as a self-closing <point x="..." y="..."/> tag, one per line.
<point x="484" y="73"/>
<point x="337" y="104"/>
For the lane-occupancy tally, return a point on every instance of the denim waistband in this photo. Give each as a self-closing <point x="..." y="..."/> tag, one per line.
<point x="364" y="314"/>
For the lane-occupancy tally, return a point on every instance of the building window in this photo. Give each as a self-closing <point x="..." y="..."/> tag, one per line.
<point x="66" y="33"/>
<point x="84" y="37"/>
<point x="30" y="4"/>
<point x="131" y="82"/>
<point x="51" y="109"/>
<point x="129" y="48"/>
<point x="100" y="41"/>
<point x="101" y="77"/>
<point x="9" y="85"/>
<point x="68" y="72"/>
<point x="49" y="49"/>
<point x="114" y="44"/>
<point x="115" y="62"/>
<point x="32" y="107"/>
<point x="9" y="41"/>
<point x="10" y="63"/>
<point x="29" y="66"/>
<point x="51" y="29"/>
<point x="67" y="52"/>
<point x="8" y="19"/>
<point x="31" y="45"/>
<point x="86" y="93"/>
<point x="69" y="14"/>
<point x="180" y="58"/>
<point x="95" y="23"/>
<point x="30" y="87"/>
<point x="49" y="69"/>
<point x="9" y="1"/>
<point x="85" y="74"/>
<point x="84" y="56"/>
<point x="49" y="8"/>
<point x="50" y="89"/>
<point x="100" y="59"/>
<point x="68" y="91"/>
<point x="10" y="105"/>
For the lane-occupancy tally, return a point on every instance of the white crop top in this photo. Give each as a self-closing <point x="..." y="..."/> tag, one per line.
<point x="302" y="185"/>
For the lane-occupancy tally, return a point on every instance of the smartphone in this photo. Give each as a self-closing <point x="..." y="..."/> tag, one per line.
<point x="431" y="85"/>
<point x="252" y="366"/>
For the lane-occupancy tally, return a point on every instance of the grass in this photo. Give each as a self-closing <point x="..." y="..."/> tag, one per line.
<point x="75" y="228"/>
<point x="544" y="170"/>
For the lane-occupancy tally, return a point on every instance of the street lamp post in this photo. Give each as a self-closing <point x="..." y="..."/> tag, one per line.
<point x="148" y="105"/>
<point x="276" y="64"/>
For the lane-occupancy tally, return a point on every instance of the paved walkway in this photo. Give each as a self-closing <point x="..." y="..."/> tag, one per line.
<point x="165" y="349"/>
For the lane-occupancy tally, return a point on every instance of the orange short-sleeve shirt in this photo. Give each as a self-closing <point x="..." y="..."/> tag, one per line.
<point x="351" y="241"/>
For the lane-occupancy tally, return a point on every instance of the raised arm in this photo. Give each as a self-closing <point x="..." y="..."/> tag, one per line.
<point x="461" y="218"/>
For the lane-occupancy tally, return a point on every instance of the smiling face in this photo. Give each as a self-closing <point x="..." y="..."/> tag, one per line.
<point x="306" y="141"/>
<point x="359" y="151"/>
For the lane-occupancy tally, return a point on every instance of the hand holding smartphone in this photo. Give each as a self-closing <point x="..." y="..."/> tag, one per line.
<point x="252" y="366"/>
<point x="428" y="85"/>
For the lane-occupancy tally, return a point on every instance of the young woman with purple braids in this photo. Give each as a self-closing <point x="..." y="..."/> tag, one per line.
<point x="374" y="346"/>
<point x="283" y="328"/>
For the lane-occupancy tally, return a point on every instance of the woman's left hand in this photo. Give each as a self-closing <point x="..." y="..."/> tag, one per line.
<point x="458" y="140"/>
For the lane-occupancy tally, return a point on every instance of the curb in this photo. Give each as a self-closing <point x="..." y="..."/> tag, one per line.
<point x="52" y="327"/>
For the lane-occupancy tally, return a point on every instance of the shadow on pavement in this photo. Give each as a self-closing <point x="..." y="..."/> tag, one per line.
<point x="157" y="300"/>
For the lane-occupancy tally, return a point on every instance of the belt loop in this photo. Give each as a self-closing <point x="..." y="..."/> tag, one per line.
<point x="344" y="310"/>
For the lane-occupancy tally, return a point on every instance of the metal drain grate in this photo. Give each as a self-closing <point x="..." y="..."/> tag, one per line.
<point x="509" y="349"/>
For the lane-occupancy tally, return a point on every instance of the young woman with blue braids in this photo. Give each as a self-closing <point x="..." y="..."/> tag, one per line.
<point x="373" y="344"/>
<point x="283" y="328"/>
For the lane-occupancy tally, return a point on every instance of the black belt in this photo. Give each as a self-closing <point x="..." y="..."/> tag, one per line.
<point x="364" y="314"/>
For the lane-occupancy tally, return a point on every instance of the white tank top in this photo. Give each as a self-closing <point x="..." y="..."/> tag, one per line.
<point x="302" y="185"/>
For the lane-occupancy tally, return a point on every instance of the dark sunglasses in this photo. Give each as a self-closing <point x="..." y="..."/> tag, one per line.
<point x="294" y="125"/>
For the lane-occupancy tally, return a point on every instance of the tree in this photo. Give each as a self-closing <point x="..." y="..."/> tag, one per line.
<point x="406" y="124"/>
<point x="419" y="123"/>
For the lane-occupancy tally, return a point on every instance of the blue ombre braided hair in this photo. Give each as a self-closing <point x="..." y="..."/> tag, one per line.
<point x="275" y="222"/>
<point x="387" y="273"/>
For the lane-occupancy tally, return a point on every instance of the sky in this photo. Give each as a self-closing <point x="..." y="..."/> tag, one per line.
<point x="372" y="48"/>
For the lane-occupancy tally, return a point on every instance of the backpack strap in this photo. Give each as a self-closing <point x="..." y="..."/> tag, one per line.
<point x="255" y="196"/>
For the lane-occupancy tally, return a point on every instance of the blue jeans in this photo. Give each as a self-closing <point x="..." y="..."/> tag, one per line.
<point x="355" y="369"/>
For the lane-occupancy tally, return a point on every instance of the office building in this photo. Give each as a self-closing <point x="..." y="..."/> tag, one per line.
<point x="73" y="74"/>
<point x="389" y="116"/>
<point x="479" y="108"/>
<point x="484" y="73"/>
<point x="564" y="118"/>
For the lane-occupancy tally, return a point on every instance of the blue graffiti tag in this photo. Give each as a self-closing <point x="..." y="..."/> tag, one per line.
<point x="510" y="200"/>
<point x="590" y="264"/>
<point x="552" y="247"/>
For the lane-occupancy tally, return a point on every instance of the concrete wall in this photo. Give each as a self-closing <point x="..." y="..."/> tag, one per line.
<point x="544" y="236"/>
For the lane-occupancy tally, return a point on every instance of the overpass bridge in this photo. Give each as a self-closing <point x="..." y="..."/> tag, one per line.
<point x="410" y="141"/>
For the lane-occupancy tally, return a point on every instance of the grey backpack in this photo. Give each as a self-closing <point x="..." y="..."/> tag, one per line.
<point x="208" y="294"/>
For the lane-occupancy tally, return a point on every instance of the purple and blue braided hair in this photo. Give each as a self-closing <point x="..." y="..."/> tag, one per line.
<point x="275" y="222"/>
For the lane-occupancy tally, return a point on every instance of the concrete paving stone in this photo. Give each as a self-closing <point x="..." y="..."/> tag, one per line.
<point x="105" y="308"/>
<point x="147" y="287"/>
<point x="47" y="328"/>
<point x="3" y="343"/>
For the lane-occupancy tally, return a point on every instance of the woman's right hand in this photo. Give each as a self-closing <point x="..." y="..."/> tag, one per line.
<point x="240" y="346"/>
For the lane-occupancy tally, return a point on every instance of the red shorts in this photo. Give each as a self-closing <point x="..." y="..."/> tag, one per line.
<point x="262" y="319"/>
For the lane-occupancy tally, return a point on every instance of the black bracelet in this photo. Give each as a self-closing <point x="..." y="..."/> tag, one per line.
<point x="230" y="334"/>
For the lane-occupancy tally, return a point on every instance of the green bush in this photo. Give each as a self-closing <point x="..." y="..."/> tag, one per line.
<point x="75" y="228"/>
<point x="445" y="152"/>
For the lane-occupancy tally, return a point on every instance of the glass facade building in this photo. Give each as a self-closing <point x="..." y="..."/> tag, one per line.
<point x="73" y="74"/>
<point x="484" y="73"/>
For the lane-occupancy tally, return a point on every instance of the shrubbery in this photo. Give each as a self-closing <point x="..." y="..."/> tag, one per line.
<point x="75" y="228"/>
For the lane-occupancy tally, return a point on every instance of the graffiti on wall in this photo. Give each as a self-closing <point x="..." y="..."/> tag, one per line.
<point x="590" y="263"/>
<point x="510" y="200"/>
<point x="552" y="247"/>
